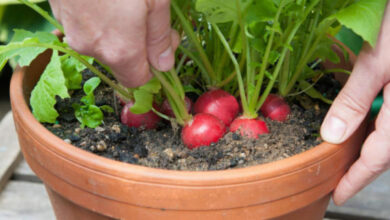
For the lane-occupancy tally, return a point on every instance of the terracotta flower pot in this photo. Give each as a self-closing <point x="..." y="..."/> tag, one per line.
<point x="82" y="185"/>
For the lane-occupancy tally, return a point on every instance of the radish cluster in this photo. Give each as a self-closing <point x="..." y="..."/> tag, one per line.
<point x="215" y="113"/>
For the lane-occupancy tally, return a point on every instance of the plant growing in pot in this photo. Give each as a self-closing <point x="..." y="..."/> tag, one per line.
<point x="274" y="50"/>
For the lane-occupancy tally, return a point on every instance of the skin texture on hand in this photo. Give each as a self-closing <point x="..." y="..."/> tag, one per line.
<point x="126" y="35"/>
<point x="370" y="74"/>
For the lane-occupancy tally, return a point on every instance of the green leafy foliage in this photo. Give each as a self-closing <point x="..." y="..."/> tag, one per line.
<point x="274" y="42"/>
<point x="21" y="46"/>
<point x="50" y="85"/>
<point x="364" y="18"/>
<point x="144" y="96"/>
<point x="61" y="74"/>
<point x="264" y="44"/>
<point x="73" y="77"/>
<point x="89" y="114"/>
<point x="72" y="69"/>
<point x="220" y="11"/>
<point x="89" y="87"/>
<point x="261" y="11"/>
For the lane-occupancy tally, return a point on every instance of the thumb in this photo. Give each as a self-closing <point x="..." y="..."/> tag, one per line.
<point x="354" y="101"/>
<point x="159" y="35"/>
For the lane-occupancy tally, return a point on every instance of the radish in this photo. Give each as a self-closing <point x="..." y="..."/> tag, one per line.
<point x="148" y="120"/>
<point x="218" y="103"/>
<point x="251" y="128"/>
<point x="275" y="108"/>
<point x="202" y="130"/>
<point x="167" y="109"/>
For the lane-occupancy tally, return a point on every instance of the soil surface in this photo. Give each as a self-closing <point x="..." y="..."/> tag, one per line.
<point x="162" y="147"/>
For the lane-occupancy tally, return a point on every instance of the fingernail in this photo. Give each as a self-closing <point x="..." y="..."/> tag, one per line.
<point x="165" y="60"/>
<point x="333" y="130"/>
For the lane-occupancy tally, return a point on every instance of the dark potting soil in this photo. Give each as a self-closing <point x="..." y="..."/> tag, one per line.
<point x="162" y="147"/>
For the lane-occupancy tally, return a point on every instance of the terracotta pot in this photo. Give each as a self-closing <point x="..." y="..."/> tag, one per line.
<point x="82" y="185"/>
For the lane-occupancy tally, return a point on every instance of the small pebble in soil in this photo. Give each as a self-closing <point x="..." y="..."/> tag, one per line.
<point x="77" y="130"/>
<point x="74" y="138"/>
<point x="99" y="129"/>
<point x="101" y="146"/>
<point x="169" y="153"/>
<point x="116" y="128"/>
<point x="92" y="148"/>
<point x="68" y="141"/>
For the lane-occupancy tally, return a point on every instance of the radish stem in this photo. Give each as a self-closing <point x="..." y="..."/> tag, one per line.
<point x="238" y="71"/>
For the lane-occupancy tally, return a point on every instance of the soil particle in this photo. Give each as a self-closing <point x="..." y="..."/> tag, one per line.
<point x="162" y="147"/>
<point x="101" y="146"/>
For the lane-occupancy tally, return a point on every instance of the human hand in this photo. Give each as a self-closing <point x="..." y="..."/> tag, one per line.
<point x="126" y="35"/>
<point x="371" y="73"/>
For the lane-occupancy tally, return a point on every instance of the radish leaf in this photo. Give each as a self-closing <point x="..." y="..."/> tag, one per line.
<point x="50" y="85"/>
<point x="88" y="115"/>
<point x="364" y="17"/>
<point x="89" y="88"/>
<point x="17" y="47"/>
<point x="72" y="69"/>
<point x="144" y="96"/>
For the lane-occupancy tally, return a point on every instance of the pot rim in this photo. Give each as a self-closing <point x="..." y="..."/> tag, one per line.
<point x="140" y="173"/>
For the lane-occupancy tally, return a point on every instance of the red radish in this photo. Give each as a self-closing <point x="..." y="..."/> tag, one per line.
<point x="148" y="120"/>
<point x="275" y="108"/>
<point x="251" y="128"/>
<point x="218" y="103"/>
<point x="167" y="109"/>
<point x="202" y="130"/>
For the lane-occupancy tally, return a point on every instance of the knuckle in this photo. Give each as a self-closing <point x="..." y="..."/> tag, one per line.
<point x="372" y="64"/>
<point x="375" y="168"/>
<point x="134" y="76"/>
<point x="163" y="3"/>
<point x="158" y="39"/>
<point x="117" y="56"/>
<point x="157" y="4"/>
<point x="78" y="45"/>
<point x="348" y="181"/>
<point x="352" y="104"/>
